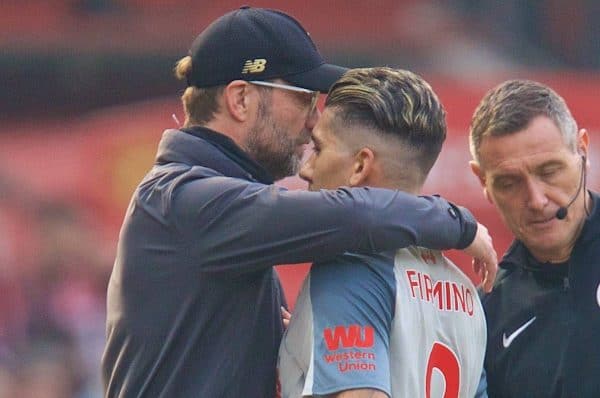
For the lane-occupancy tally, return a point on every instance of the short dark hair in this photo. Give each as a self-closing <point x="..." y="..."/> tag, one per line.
<point x="512" y="105"/>
<point x="395" y="103"/>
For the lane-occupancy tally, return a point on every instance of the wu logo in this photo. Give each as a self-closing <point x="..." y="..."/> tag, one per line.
<point x="348" y="337"/>
<point x="254" y="66"/>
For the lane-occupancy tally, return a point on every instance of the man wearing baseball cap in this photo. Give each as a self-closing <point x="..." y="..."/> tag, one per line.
<point x="193" y="300"/>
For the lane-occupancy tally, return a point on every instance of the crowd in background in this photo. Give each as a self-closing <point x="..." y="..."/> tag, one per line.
<point x="53" y="276"/>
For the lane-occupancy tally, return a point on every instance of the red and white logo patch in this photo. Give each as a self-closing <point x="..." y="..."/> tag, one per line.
<point x="350" y="348"/>
<point x="353" y="336"/>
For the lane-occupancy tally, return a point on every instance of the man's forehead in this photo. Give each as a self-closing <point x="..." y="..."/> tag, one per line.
<point x="321" y="129"/>
<point x="517" y="165"/>
<point x="328" y="125"/>
<point x="537" y="143"/>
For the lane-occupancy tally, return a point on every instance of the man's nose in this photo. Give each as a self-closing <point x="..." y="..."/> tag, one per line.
<point x="536" y="195"/>
<point x="306" y="169"/>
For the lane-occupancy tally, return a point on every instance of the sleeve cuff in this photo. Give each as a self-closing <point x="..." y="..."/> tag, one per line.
<point x="469" y="226"/>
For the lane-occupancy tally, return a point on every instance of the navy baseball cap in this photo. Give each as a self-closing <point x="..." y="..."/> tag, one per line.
<point x="259" y="44"/>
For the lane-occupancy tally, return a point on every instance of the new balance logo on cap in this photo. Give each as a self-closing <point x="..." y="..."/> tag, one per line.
<point x="254" y="66"/>
<point x="242" y="42"/>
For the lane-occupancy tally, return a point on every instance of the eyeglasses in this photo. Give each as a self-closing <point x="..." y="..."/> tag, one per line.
<point x="314" y="95"/>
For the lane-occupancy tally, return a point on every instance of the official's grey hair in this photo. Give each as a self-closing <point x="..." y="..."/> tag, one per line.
<point x="510" y="107"/>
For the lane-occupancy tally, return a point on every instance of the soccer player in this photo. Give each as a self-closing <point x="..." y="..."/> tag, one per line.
<point x="400" y="323"/>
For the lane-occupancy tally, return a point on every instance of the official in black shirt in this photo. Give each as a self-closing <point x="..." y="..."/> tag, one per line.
<point x="543" y="314"/>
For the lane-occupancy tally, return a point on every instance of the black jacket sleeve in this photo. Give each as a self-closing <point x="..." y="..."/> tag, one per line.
<point x="230" y="223"/>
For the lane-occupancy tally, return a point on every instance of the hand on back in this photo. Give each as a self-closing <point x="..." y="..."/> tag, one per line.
<point x="485" y="259"/>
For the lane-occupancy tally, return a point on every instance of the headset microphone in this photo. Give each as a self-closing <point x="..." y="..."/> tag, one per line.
<point x="562" y="211"/>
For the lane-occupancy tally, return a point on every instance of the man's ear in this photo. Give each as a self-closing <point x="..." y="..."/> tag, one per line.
<point x="362" y="167"/>
<point x="237" y="99"/>
<point x="583" y="140"/>
<point x="476" y="169"/>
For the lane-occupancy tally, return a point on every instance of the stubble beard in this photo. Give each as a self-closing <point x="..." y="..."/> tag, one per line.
<point x="270" y="146"/>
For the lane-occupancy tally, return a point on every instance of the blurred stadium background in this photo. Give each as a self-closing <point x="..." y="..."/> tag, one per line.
<point x="87" y="90"/>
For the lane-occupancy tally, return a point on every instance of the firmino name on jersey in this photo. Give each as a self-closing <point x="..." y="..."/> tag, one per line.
<point x="446" y="295"/>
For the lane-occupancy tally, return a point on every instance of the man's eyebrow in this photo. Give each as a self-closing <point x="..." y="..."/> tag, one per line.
<point x="549" y="163"/>
<point x="504" y="175"/>
<point x="516" y="174"/>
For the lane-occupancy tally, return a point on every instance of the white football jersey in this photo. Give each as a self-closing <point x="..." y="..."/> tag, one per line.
<point x="408" y="323"/>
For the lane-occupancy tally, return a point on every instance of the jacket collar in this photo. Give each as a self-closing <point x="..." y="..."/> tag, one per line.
<point x="199" y="146"/>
